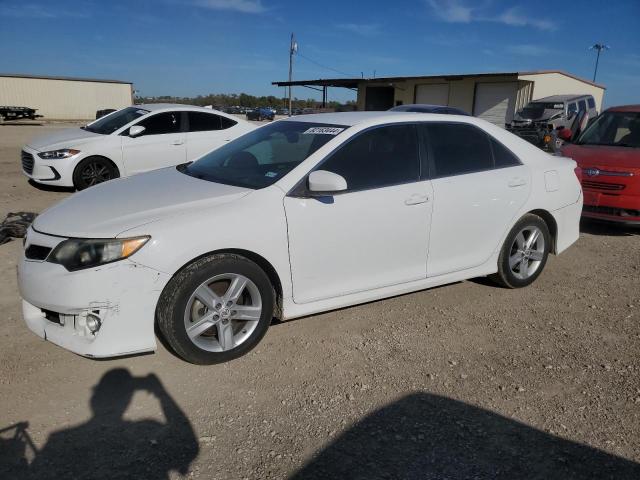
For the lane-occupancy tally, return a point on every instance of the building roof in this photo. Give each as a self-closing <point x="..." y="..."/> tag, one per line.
<point x="353" y="82"/>
<point x="560" y="98"/>
<point x="70" y="79"/>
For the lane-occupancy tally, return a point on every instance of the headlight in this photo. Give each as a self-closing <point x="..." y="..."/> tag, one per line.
<point x="78" y="253"/>
<point x="56" y="154"/>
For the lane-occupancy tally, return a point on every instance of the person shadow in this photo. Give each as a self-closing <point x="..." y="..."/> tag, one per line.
<point x="426" y="436"/>
<point x="110" y="447"/>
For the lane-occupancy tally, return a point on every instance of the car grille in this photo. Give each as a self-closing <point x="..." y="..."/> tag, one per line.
<point x="602" y="185"/>
<point x="618" y="212"/>
<point x="37" y="252"/>
<point x="27" y="162"/>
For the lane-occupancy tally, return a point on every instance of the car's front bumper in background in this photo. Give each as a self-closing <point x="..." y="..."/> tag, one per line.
<point x="59" y="305"/>
<point x="57" y="172"/>
<point x="619" y="208"/>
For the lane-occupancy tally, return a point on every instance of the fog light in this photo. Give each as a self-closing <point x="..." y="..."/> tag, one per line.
<point x="93" y="323"/>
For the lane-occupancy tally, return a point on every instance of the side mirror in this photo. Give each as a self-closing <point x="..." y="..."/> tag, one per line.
<point x="565" y="134"/>
<point x="136" y="131"/>
<point x="327" y="182"/>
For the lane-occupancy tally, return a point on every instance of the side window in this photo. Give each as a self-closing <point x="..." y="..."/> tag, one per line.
<point x="572" y="108"/>
<point x="377" y="158"/>
<point x="227" y="123"/>
<point x="582" y="106"/>
<point x="203" y="122"/>
<point x="161" y="123"/>
<point x="591" y="102"/>
<point x="502" y="156"/>
<point x="458" y="148"/>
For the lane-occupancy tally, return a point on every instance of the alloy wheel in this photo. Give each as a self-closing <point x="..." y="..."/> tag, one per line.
<point x="223" y="312"/>
<point x="527" y="252"/>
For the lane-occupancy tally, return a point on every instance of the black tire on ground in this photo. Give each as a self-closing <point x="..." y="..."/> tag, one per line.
<point x="170" y="311"/>
<point x="505" y="276"/>
<point x="93" y="170"/>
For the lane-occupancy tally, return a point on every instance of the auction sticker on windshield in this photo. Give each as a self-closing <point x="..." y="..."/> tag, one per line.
<point x="323" y="131"/>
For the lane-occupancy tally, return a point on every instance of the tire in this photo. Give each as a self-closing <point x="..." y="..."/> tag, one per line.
<point x="92" y="171"/>
<point x="524" y="253"/>
<point x="195" y="318"/>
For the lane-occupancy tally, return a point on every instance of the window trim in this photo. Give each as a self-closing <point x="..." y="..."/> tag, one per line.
<point x="301" y="190"/>
<point x="488" y="136"/>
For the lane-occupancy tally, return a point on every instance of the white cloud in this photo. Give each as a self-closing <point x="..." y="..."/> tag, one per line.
<point x="244" y="6"/>
<point x="33" y="10"/>
<point x="452" y="11"/>
<point x="364" y="29"/>
<point x="458" y="11"/>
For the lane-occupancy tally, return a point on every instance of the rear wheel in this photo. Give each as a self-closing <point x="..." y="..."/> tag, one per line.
<point x="524" y="253"/>
<point x="216" y="309"/>
<point x="92" y="171"/>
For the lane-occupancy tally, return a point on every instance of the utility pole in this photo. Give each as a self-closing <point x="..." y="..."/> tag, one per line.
<point x="599" y="47"/>
<point x="293" y="48"/>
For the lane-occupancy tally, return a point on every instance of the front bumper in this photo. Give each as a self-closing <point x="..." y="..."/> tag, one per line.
<point x="123" y="295"/>
<point x="50" y="172"/>
<point x="618" y="208"/>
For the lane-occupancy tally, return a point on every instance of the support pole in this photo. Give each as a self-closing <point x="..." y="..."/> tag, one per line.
<point x="293" y="47"/>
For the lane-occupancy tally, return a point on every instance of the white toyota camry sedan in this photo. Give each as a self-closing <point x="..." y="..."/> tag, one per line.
<point x="129" y="141"/>
<point x="297" y="217"/>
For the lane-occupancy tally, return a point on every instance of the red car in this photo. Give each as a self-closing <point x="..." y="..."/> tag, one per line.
<point x="608" y="157"/>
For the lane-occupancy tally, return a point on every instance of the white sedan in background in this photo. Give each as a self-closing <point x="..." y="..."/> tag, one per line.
<point x="300" y="216"/>
<point x="129" y="141"/>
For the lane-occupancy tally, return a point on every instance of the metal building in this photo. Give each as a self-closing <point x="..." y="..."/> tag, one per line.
<point x="492" y="96"/>
<point x="64" y="98"/>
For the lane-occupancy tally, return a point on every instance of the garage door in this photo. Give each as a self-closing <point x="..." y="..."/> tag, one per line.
<point x="495" y="102"/>
<point x="434" y="94"/>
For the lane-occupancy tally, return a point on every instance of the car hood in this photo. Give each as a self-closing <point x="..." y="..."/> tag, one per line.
<point x="110" y="209"/>
<point x="69" y="137"/>
<point x="603" y="156"/>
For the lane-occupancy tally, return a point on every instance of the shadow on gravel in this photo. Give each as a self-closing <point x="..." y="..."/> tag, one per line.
<point x="424" y="436"/>
<point x="107" y="446"/>
<point x="50" y="188"/>
<point x="609" y="229"/>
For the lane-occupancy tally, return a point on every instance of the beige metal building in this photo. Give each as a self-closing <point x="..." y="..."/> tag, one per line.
<point x="492" y="96"/>
<point x="64" y="98"/>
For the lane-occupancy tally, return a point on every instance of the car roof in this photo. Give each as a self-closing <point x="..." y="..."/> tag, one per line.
<point x="561" y="98"/>
<point x="154" y="107"/>
<point x="353" y="118"/>
<point x="624" y="108"/>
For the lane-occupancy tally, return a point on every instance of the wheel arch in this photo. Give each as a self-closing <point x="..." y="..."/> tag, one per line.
<point x="551" y="225"/>
<point x="256" y="258"/>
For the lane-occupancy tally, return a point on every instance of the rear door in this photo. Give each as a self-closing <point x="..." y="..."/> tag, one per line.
<point x="478" y="188"/>
<point x="208" y="131"/>
<point x="162" y="144"/>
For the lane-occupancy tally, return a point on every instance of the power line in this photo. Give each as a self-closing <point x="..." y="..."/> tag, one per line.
<point x="324" y="66"/>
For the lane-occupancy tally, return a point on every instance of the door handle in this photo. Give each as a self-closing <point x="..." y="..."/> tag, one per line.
<point x="416" y="199"/>
<point x="177" y="142"/>
<point x="517" y="182"/>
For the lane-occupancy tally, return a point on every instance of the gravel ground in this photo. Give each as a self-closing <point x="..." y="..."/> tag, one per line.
<point x="463" y="381"/>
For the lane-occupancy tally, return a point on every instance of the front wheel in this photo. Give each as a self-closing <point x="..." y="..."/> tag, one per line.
<point x="92" y="171"/>
<point x="216" y="309"/>
<point x="524" y="253"/>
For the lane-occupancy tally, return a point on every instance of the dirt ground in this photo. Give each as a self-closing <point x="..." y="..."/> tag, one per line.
<point x="463" y="381"/>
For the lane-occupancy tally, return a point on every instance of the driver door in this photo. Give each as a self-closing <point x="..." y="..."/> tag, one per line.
<point x="374" y="234"/>
<point x="162" y="144"/>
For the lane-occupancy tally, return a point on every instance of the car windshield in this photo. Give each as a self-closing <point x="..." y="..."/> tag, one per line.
<point x="619" y="129"/>
<point x="263" y="156"/>
<point x="116" y="120"/>
<point x="535" y="110"/>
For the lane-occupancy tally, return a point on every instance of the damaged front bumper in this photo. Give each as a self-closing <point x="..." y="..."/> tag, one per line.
<point x="98" y="312"/>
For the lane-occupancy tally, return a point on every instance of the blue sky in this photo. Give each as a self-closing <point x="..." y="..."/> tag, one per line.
<point x="190" y="47"/>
